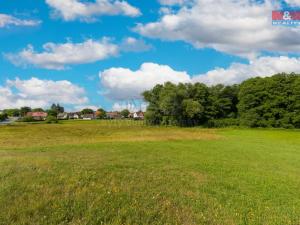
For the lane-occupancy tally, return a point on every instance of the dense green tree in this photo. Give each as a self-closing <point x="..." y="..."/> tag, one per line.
<point x="257" y="102"/>
<point x="57" y="108"/>
<point x="153" y="114"/>
<point x="222" y="102"/>
<point x="191" y="110"/>
<point x="24" y="110"/>
<point x="51" y="119"/>
<point x="38" y="110"/>
<point x="87" y="111"/>
<point x="270" y="102"/>
<point x="3" y="117"/>
<point x="52" y="112"/>
<point x="200" y="93"/>
<point x="101" y="114"/>
<point x="12" y="112"/>
<point x="182" y="104"/>
<point x="125" y="113"/>
<point x="294" y="106"/>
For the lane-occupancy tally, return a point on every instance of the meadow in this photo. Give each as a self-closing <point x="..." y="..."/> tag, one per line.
<point x="112" y="172"/>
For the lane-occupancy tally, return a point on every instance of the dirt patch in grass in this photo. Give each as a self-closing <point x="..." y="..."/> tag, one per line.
<point x="199" y="177"/>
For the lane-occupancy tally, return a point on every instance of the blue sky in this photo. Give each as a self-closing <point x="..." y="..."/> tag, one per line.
<point x="179" y="45"/>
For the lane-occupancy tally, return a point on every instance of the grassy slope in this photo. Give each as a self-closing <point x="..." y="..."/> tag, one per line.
<point x="111" y="173"/>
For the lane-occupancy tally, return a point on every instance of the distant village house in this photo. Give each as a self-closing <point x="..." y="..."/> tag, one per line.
<point x="113" y="115"/>
<point x="63" y="116"/>
<point x="38" y="115"/>
<point x="138" y="115"/>
<point x="74" y="115"/>
<point x="89" y="116"/>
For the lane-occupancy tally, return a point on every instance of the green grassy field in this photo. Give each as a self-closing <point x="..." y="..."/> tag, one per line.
<point x="104" y="172"/>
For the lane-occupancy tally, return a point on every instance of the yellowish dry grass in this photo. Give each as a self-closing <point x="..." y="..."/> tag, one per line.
<point x="88" y="132"/>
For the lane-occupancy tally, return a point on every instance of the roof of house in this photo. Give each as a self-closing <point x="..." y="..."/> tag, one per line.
<point x="37" y="114"/>
<point x="113" y="114"/>
<point x="73" y="113"/>
<point x="140" y="113"/>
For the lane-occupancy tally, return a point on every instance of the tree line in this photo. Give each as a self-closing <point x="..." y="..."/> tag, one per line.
<point x="257" y="102"/>
<point x="22" y="112"/>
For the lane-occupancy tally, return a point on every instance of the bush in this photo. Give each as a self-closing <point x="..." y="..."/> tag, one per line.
<point x="52" y="113"/>
<point x="27" y="119"/>
<point x="152" y="118"/>
<point x="227" y="122"/>
<point x="51" y="119"/>
<point x="3" y="117"/>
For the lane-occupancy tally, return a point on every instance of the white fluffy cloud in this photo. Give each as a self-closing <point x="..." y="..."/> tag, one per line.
<point x="261" y="67"/>
<point x="130" y="106"/>
<point x="293" y="2"/>
<point x="40" y="93"/>
<point x="87" y="11"/>
<point x="81" y="107"/>
<point x="241" y="27"/>
<point x="131" y="44"/>
<point x="123" y="83"/>
<point x="8" y="20"/>
<point x="173" y="2"/>
<point x="58" y="56"/>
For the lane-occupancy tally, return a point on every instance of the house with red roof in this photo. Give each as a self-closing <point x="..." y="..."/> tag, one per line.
<point x="38" y="115"/>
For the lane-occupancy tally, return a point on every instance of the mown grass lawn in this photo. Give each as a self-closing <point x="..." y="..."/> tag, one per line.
<point x="125" y="173"/>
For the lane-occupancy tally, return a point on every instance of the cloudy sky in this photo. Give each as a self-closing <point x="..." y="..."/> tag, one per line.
<point x="104" y="53"/>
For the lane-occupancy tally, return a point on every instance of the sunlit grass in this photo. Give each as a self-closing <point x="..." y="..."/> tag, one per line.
<point x="108" y="173"/>
<point x="77" y="132"/>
